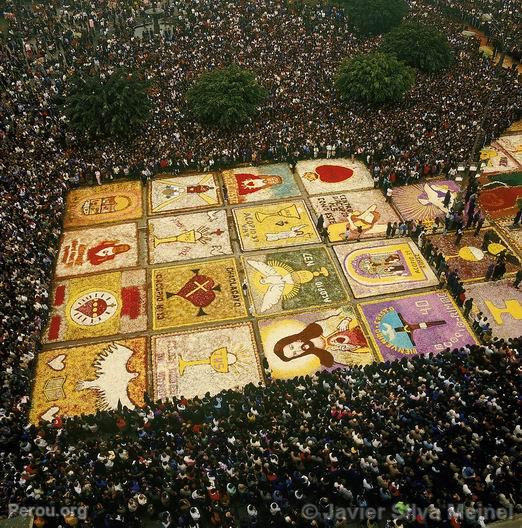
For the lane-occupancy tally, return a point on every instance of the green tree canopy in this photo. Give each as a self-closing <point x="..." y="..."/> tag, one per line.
<point x="374" y="78"/>
<point x="372" y="17"/>
<point x="113" y="106"/>
<point x="225" y="97"/>
<point x="420" y="46"/>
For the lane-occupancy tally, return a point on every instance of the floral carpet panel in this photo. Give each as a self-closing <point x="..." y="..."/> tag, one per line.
<point x="254" y="184"/>
<point x="113" y="202"/>
<point x="322" y="176"/>
<point x="98" y="305"/>
<point x="421" y="324"/>
<point x="384" y="266"/>
<point x="471" y="258"/>
<point x="189" y="236"/>
<point x="209" y="360"/>
<point x="423" y="202"/>
<point x="353" y="215"/>
<point x="88" y="378"/>
<point x="501" y="303"/>
<point x="302" y="344"/>
<point x="183" y="193"/>
<point x="275" y="225"/>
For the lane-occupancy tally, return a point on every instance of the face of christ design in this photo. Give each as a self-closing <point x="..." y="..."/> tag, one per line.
<point x="312" y="341"/>
<point x="105" y="251"/>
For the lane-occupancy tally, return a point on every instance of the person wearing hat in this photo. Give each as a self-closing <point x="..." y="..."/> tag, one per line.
<point x="132" y="505"/>
<point x="214" y="495"/>
<point x="397" y="522"/>
<point x="142" y="499"/>
<point x="242" y="489"/>
<point x="184" y="504"/>
<point x="252" y="512"/>
<point x="231" y="490"/>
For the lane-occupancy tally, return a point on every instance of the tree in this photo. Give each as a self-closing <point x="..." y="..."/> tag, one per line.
<point x="372" y="17"/>
<point x="113" y="106"/>
<point x="225" y="97"/>
<point x="374" y="78"/>
<point x="420" y="46"/>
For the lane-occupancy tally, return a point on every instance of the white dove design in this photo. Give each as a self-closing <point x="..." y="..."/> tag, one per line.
<point x="435" y="196"/>
<point x="274" y="280"/>
<point x="112" y="378"/>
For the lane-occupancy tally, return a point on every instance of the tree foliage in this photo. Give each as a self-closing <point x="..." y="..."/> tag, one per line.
<point x="225" y="97"/>
<point x="420" y="46"/>
<point x="374" y="78"/>
<point x="113" y="106"/>
<point x="372" y="17"/>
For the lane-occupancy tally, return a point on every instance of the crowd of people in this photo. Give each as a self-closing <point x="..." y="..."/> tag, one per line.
<point x="499" y="19"/>
<point x="434" y="439"/>
<point x="282" y="43"/>
<point x="129" y="473"/>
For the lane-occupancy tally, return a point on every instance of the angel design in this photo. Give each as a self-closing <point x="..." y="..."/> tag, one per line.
<point x="280" y="280"/>
<point x="112" y="378"/>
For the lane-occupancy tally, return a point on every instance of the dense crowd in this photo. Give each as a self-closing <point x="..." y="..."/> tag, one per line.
<point x="505" y="19"/>
<point x="283" y="43"/>
<point x="434" y="439"/>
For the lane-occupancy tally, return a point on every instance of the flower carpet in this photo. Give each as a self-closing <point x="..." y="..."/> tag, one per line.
<point x="84" y="379"/>
<point x="254" y="184"/>
<point x="189" y="236"/>
<point x="423" y="202"/>
<point x="98" y="249"/>
<point x="114" y="202"/>
<point x="473" y="255"/>
<point x="275" y="225"/>
<point x="300" y="344"/>
<point x="322" y="176"/>
<point x="350" y="215"/>
<point x="384" y="266"/>
<point x="501" y="303"/>
<point x="425" y="323"/>
<point x="211" y="359"/>
<point x="185" y="291"/>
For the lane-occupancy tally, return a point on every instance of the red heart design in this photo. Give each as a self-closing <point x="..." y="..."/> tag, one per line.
<point x="198" y="291"/>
